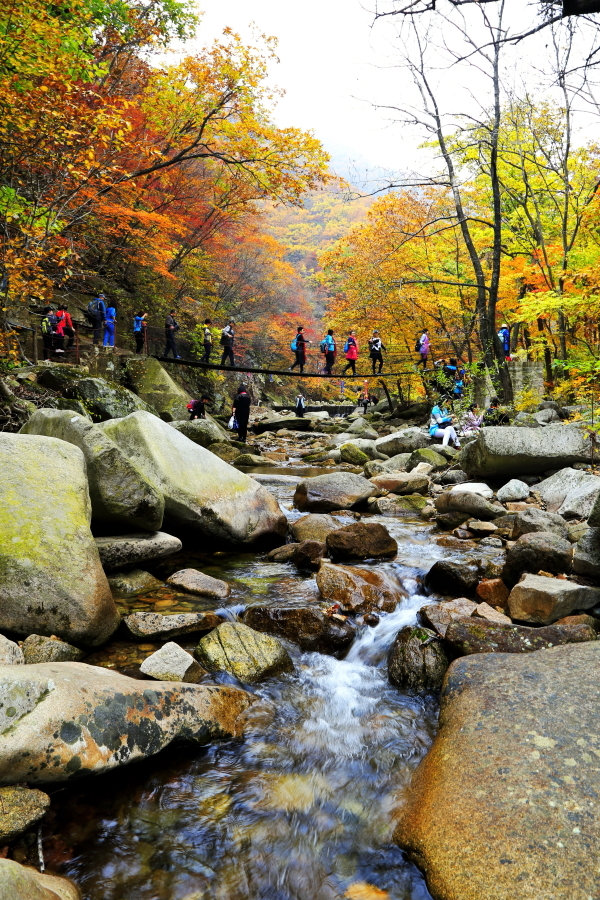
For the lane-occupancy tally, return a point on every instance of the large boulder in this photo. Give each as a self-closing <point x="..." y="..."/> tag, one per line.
<point x="314" y="527"/>
<point x="449" y="577"/>
<point x="503" y="805"/>
<point x="104" y="400"/>
<point x="469" y="503"/>
<point x="542" y="600"/>
<point x="202" y="431"/>
<point x="124" y="550"/>
<point x="19" y="882"/>
<point x="308" y="626"/>
<point x="51" y="579"/>
<point x="39" y="649"/>
<point x="153" y="384"/>
<point x="359" y="590"/>
<point x="538" y="551"/>
<point x="21" y="807"/>
<point x="570" y="493"/>
<point x="202" y="493"/>
<point x="243" y="652"/>
<point x="63" y="720"/>
<point x="340" y="490"/>
<point x="533" y="520"/>
<point x="476" y="635"/>
<point x="404" y="441"/>
<point x="362" y="540"/>
<point x="504" y="450"/>
<point x="120" y="493"/>
<point x="350" y="453"/>
<point x="417" y="660"/>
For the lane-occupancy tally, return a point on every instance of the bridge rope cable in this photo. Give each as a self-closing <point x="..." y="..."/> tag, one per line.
<point x="196" y="364"/>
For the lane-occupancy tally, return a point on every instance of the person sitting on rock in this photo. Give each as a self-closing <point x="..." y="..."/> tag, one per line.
<point x="471" y="422"/>
<point x="440" y="426"/>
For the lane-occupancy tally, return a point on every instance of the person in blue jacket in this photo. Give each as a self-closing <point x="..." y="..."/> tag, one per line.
<point x="440" y="426"/>
<point x="329" y="343"/>
<point x="504" y="337"/>
<point x="109" y="326"/>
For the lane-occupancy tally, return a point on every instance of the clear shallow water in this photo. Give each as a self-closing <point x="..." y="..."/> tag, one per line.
<point x="303" y="808"/>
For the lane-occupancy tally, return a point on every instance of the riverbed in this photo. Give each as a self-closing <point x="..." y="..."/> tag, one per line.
<point x="303" y="807"/>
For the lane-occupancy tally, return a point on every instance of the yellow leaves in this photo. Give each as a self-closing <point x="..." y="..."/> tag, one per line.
<point x="361" y="890"/>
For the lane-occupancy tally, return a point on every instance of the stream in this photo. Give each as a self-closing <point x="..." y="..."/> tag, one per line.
<point x="303" y="808"/>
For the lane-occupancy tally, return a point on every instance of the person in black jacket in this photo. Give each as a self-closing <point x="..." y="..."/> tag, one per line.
<point x="241" y="410"/>
<point x="171" y="328"/>
<point x="227" y="339"/>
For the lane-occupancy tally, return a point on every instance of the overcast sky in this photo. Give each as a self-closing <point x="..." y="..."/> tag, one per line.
<point x="335" y="65"/>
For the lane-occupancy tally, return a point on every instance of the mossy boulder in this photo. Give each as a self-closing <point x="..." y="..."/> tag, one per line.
<point x="202" y="431"/>
<point x="51" y="579"/>
<point x="202" y="493"/>
<point x="417" y="659"/>
<point x="153" y="384"/>
<point x="243" y="652"/>
<point x="350" y="453"/>
<point x="409" y="504"/>
<point x="120" y="492"/>
<point x="40" y="649"/>
<point x="426" y="455"/>
<point x="104" y="400"/>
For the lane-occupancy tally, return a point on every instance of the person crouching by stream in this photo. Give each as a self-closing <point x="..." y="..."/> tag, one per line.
<point x="241" y="411"/>
<point x="440" y="426"/>
<point x="197" y="408"/>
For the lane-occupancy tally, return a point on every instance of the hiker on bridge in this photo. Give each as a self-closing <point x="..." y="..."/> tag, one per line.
<point x="298" y="345"/>
<point x="327" y="347"/>
<point x="171" y="328"/>
<point x="351" y="352"/>
<point x="208" y="341"/>
<point x="422" y="348"/>
<point x="139" y="331"/>
<point x="227" y="339"/>
<point x="96" y="312"/>
<point x="375" y="348"/>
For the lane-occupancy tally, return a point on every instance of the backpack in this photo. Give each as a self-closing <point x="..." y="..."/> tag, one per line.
<point x="294" y="345"/>
<point x="94" y="307"/>
<point x="323" y="346"/>
<point x="418" y="346"/>
<point x="49" y="323"/>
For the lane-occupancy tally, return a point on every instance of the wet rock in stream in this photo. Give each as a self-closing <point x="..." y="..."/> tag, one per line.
<point x="308" y="626"/>
<point x="145" y="625"/>
<point x="359" y="590"/>
<point x="245" y="653"/>
<point x="417" y="659"/>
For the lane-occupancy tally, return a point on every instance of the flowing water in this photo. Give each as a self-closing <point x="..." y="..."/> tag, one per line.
<point x="303" y="808"/>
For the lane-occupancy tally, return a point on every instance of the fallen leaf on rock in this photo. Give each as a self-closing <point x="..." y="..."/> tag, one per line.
<point x="360" y="890"/>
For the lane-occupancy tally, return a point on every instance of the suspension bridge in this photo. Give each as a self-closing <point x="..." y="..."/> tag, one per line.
<point x="289" y="373"/>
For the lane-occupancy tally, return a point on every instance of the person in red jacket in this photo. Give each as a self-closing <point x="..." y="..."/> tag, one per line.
<point x="65" y="325"/>
<point x="351" y="352"/>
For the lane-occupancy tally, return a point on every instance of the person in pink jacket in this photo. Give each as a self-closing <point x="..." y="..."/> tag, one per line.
<point x="351" y="352"/>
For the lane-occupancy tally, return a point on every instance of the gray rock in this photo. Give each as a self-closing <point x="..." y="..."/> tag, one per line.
<point x="503" y="804"/>
<point x="534" y="520"/>
<point x="314" y="527"/>
<point x="243" y="652"/>
<point x="453" y="476"/>
<point x="512" y="491"/>
<point x="469" y="503"/>
<point x="120" y="492"/>
<point x="21" y="807"/>
<point x="90" y="719"/>
<point x="474" y="487"/>
<point x="473" y="635"/>
<point x="543" y="600"/>
<point x="417" y="660"/>
<point x="340" y="490"/>
<point x="586" y="555"/>
<point x="546" y="416"/>
<point x="146" y="625"/>
<point x="10" y="653"/>
<point x="291" y="423"/>
<point x="504" y="450"/>
<point x="404" y="441"/>
<point x="121" y="551"/>
<point x="134" y="581"/>
<point x="361" y="540"/>
<point x="570" y="493"/>
<point x="51" y="580"/>
<point x="449" y="577"/>
<point x="538" y="551"/>
<point x="19" y="882"/>
<point x="202" y="493"/>
<point x="202" y="431"/>
<point x="172" y="663"/>
<point x="427" y="455"/>
<point x="40" y="649"/>
<point x="195" y="582"/>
